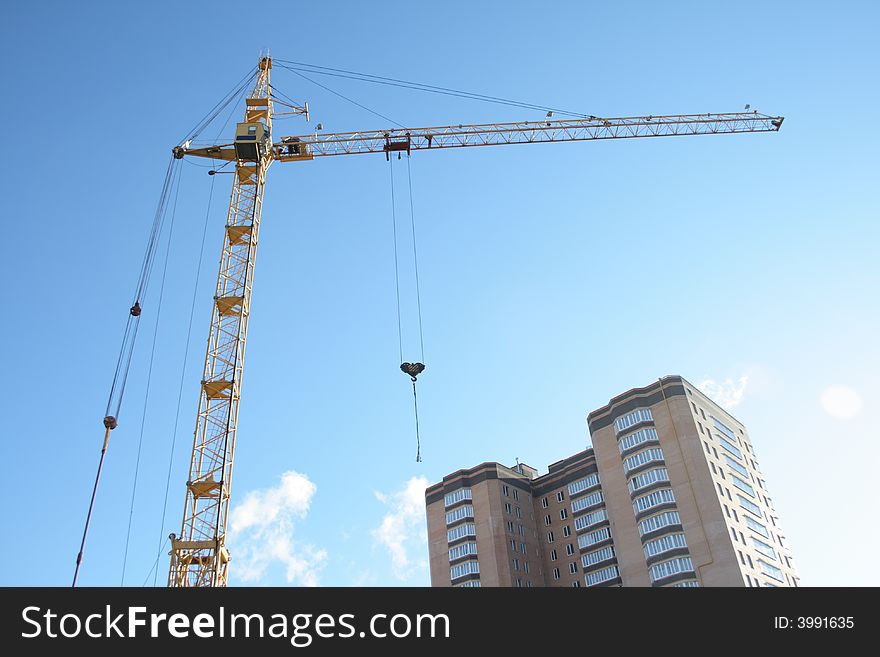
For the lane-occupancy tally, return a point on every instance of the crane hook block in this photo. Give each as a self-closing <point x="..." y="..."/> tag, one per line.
<point x="110" y="422"/>
<point x="413" y="369"/>
<point x="135" y="310"/>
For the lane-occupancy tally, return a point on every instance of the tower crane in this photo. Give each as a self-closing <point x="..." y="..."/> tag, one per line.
<point x="199" y="555"/>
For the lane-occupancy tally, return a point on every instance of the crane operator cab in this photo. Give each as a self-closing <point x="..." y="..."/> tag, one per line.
<point x="252" y="141"/>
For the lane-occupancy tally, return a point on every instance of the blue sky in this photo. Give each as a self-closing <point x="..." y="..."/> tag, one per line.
<point x="552" y="276"/>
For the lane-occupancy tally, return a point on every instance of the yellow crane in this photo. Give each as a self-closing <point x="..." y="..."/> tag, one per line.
<point x="199" y="556"/>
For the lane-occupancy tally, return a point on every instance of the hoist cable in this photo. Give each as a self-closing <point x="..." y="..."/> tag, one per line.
<point x="120" y="375"/>
<point x="155" y="566"/>
<point x="150" y="376"/>
<point x="412" y="217"/>
<point x="126" y="350"/>
<point x="396" y="268"/>
<point x="418" y="440"/>
<point x="183" y="375"/>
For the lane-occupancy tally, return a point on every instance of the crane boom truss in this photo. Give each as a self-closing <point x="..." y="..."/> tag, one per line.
<point x="199" y="556"/>
<point x="307" y="147"/>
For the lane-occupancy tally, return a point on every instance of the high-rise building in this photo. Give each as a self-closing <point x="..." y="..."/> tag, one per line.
<point x="670" y="494"/>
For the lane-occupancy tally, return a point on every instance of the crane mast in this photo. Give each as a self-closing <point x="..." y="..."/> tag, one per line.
<point x="199" y="556"/>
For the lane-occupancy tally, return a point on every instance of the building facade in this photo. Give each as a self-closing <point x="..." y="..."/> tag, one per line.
<point x="670" y="494"/>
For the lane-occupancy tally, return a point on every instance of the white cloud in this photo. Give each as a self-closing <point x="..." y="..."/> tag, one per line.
<point x="261" y="532"/>
<point x="403" y="531"/>
<point x="728" y="393"/>
<point x="841" y="402"/>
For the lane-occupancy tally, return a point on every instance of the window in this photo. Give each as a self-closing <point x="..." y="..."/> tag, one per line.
<point x="664" y="544"/>
<point x="518" y="583"/>
<point x="687" y="584"/>
<point x="730" y="447"/>
<point x="566" y="531"/>
<point x="735" y="516"/>
<point x="462" y="550"/>
<point x="756" y="526"/>
<point x="522" y="530"/>
<point x="513" y="544"/>
<point x="645" y="435"/>
<point x="733" y="534"/>
<point x="628" y="420"/>
<point x="743" y="486"/>
<point x="467" y="529"/>
<point x="526" y="567"/>
<point x="576" y="583"/>
<point x="505" y="490"/>
<point x="715" y="452"/>
<point x="553" y="554"/>
<point x="573" y="567"/>
<point x="712" y="465"/>
<point x="726" y="510"/>
<point x="547" y="520"/>
<point x="522" y="548"/>
<point x="510" y="526"/>
<point x="656" y="498"/>
<point x="457" y="496"/>
<point x="590" y="519"/>
<point x="563" y="514"/>
<point x="569" y="549"/>
<point x="723" y="428"/>
<point x="594" y="537"/>
<point x="599" y="576"/>
<point x="462" y="569"/>
<point x="507" y="508"/>
<point x="560" y="496"/>
<point x="771" y="570"/>
<point x="587" y="501"/>
<point x="743" y="561"/>
<point x="466" y="511"/>
<point x="545" y="503"/>
<point x="518" y="512"/>
<point x="471" y="583"/>
<point x="735" y="465"/>
<point x="703" y="413"/>
<point x="550" y="537"/>
<point x="516" y="564"/>
<point x="592" y="558"/>
<point x="659" y="521"/>
<point x="556" y="573"/>
<point x="516" y="494"/>
<point x="694" y="406"/>
<point x="583" y="484"/>
<point x="637" y="460"/>
<point x="702" y="430"/>
<point x="645" y="479"/>
<point x="763" y="548"/>
<point x="671" y="567"/>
